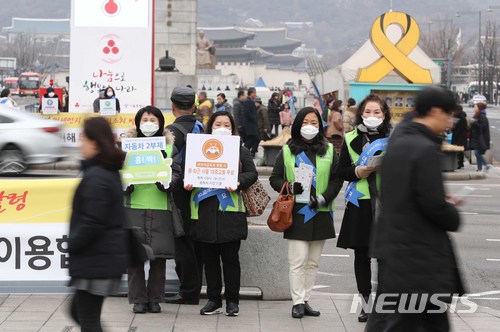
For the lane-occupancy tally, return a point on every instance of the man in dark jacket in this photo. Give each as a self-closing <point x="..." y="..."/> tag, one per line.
<point x="188" y="259"/>
<point x="237" y="111"/>
<point x="248" y="120"/>
<point x="411" y="237"/>
<point x="459" y="133"/>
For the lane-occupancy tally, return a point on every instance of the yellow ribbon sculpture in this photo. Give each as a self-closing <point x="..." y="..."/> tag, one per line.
<point x="395" y="57"/>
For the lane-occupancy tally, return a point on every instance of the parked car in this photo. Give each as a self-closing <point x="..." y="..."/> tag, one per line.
<point x="477" y="99"/>
<point x="27" y="139"/>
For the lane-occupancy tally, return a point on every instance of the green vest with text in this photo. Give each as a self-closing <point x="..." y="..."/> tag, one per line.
<point x="239" y="204"/>
<point x="148" y="196"/>
<point x="323" y="166"/>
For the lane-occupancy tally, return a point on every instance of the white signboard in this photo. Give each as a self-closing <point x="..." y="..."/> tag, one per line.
<point x="107" y="106"/>
<point x="212" y="161"/>
<point x="111" y="45"/>
<point x="50" y="105"/>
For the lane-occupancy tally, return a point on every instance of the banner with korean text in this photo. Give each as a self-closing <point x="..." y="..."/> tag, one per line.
<point x="34" y="225"/>
<point x="111" y="45"/>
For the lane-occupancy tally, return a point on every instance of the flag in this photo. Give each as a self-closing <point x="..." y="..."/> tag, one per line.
<point x="459" y="37"/>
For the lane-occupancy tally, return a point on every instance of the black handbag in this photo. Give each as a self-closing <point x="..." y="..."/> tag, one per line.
<point x="177" y="221"/>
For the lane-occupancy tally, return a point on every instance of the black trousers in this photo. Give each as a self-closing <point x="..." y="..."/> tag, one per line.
<point x="363" y="270"/>
<point x="460" y="159"/>
<point x="189" y="267"/>
<point x="86" y="310"/>
<point x="252" y="143"/>
<point x="213" y="253"/>
<point x="138" y="292"/>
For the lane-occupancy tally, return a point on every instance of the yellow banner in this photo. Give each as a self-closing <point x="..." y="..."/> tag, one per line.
<point x="36" y="201"/>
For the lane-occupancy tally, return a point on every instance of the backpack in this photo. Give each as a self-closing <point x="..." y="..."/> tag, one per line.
<point x="198" y="128"/>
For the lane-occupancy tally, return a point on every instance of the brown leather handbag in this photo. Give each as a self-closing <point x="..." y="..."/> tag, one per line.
<point x="280" y="218"/>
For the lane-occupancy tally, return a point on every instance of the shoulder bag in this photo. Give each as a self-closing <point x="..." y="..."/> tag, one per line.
<point x="280" y="218"/>
<point x="256" y="199"/>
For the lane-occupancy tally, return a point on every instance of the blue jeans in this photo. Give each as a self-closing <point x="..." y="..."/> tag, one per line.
<point x="480" y="160"/>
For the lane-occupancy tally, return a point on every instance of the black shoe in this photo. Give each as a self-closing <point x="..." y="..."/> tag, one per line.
<point x="298" y="310"/>
<point x="154" y="307"/>
<point x="363" y="316"/>
<point x="140" y="308"/>
<point x="211" y="308"/>
<point x="178" y="299"/>
<point x="309" y="311"/>
<point x="232" y="309"/>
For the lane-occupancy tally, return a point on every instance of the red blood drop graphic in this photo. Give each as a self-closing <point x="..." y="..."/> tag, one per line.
<point x="111" y="7"/>
<point x="106" y="50"/>
<point x="111" y="43"/>
<point x="115" y="50"/>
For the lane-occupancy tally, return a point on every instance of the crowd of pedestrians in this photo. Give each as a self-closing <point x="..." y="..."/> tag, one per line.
<point x="396" y="207"/>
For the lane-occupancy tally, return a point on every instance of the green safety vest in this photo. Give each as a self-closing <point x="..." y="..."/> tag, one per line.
<point x="239" y="204"/>
<point x="323" y="165"/>
<point x="147" y="196"/>
<point x="362" y="184"/>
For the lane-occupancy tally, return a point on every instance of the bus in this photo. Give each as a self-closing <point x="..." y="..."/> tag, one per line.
<point x="29" y="84"/>
<point x="12" y="84"/>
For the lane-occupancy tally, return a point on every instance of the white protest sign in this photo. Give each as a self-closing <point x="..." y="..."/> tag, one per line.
<point x="212" y="161"/>
<point x="107" y="107"/>
<point x="50" y="105"/>
<point x="143" y="143"/>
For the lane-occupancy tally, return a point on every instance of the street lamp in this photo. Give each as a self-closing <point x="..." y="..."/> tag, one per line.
<point x="479" y="64"/>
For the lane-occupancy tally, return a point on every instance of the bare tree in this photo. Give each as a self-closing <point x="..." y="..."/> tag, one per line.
<point x="26" y="49"/>
<point x="490" y="59"/>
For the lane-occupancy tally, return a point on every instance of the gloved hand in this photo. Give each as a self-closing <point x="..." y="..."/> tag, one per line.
<point x="296" y="188"/>
<point x="129" y="190"/>
<point x="317" y="202"/>
<point x="161" y="187"/>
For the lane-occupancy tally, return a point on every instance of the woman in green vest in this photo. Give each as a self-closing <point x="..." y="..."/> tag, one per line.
<point x="372" y="123"/>
<point x="148" y="207"/>
<point x="313" y="214"/>
<point x="220" y="226"/>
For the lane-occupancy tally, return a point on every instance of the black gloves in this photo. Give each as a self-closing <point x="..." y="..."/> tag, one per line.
<point x="296" y="188"/>
<point x="129" y="190"/>
<point x="160" y="187"/>
<point x="317" y="202"/>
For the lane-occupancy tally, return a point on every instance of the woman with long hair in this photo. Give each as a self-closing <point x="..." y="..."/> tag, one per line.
<point x="97" y="242"/>
<point x="372" y="126"/>
<point x="220" y="228"/>
<point x="312" y="218"/>
<point x="480" y="135"/>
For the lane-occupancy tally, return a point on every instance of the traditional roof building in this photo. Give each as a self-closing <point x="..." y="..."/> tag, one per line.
<point x="41" y="28"/>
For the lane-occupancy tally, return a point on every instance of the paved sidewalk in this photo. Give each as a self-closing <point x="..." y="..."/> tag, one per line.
<point x="49" y="313"/>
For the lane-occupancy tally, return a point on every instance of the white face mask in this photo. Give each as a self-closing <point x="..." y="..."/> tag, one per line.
<point x="309" y="132"/>
<point x="222" y="131"/>
<point x="372" y="122"/>
<point x="149" y="128"/>
<point x="51" y="94"/>
<point x="110" y="94"/>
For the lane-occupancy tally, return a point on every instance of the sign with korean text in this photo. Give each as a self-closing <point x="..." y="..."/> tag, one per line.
<point x="107" y="107"/>
<point x="212" y="161"/>
<point x="111" y="45"/>
<point x="50" y="105"/>
<point x="144" y="162"/>
<point x="34" y="217"/>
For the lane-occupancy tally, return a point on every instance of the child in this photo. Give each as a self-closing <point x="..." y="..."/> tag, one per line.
<point x="286" y="119"/>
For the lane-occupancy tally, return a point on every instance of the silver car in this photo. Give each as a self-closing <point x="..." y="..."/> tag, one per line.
<point x="27" y="139"/>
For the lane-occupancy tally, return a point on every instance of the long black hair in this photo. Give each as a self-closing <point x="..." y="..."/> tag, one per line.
<point x="97" y="129"/>
<point x="5" y="93"/>
<point x="297" y="144"/>
<point x="214" y="116"/>
<point x="383" y="106"/>
<point x="151" y="110"/>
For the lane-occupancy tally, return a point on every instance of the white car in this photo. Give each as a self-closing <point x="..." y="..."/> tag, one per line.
<point x="477" y="99"/>
<point x="27" y="139"/>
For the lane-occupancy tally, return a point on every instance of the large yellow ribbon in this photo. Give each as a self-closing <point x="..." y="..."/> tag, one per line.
<point x="395" y="57"/>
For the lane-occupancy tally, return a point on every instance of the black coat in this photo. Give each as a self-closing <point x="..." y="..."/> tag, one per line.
<point x="320" y="227"/>
<point x="411" y="235"/>
<point x="459" y="130"/>
<point x="248" y="118"/>
<point x="214" y="226"/>
<point x="357" y="221"/>
<point x="480" y="134"/>
<point x="273" y="109"/>
<point x="181" y="196"/>
<point x="97" y="241"/>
